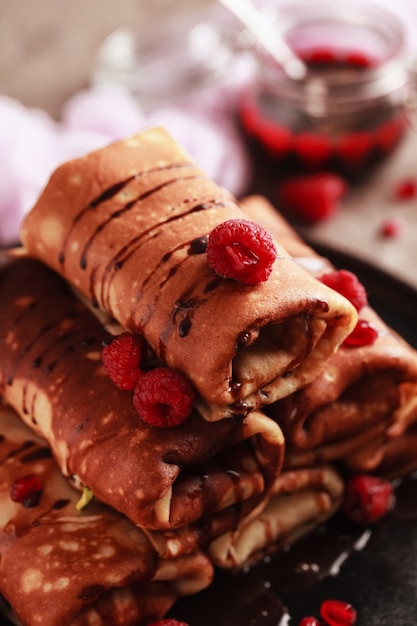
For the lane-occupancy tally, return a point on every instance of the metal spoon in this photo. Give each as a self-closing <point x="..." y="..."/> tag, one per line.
<point x="267" y="36"/>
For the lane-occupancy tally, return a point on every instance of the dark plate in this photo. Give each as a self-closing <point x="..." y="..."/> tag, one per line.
<point x="379" y="580"/>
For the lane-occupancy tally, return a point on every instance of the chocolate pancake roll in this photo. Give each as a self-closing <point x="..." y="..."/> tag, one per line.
<point x="399" y="456"/>
<point x="127" y="225"/>
<point x="61" y="566"/>
<point x="51" y="372"/>
<point x="302" y="499"/>
<point x="393" y="455"/>
<point x="367" y="393"/>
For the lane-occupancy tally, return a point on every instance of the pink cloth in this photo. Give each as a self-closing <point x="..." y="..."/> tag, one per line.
<point x="32" y="144"/>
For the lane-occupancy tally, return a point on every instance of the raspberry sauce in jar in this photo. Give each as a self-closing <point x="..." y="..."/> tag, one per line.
<point x="348" y="113"/>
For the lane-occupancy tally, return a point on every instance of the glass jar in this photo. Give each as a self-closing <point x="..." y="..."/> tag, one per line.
<point x="349" y="111"/>
<point x="187" y="54"/>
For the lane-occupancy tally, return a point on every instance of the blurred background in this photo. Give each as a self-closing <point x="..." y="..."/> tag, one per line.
<point x="76" y="75"/>
<point x="49" y="47"/>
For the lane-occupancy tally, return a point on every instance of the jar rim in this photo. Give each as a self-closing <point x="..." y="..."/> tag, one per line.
<point x="381" y="79"/>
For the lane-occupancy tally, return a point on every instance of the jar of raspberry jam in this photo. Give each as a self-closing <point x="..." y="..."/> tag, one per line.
<point x="348" y="112"/>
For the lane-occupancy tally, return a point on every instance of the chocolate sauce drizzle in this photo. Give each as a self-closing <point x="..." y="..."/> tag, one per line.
<point x="79" y="338"/>
<point x="26" y="445"/>
<point x="108" y="194"/>
<point x="196" y="246"/>
<point x="25" y="453"/>
<point x="63" y="329"/>
<point x="85" y="341"/>
<point x="336" y="560"/>
<point x="127" y="251"/>
<point x="37" y="361"/>
<point x="100" y="294"/>
<point x="181" y="315"/>
<point x="122" y="211"/>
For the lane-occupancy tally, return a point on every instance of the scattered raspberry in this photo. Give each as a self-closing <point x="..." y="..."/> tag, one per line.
<point x="367" y="498"/>
<point x="364" y="334"/>
<point x="347" y="284"/>
<point x="241" y="250"/>
<point x="406" y="189"/>
<point x="163" y="397"/>
<point x="338" y="613"/>
<point x="169" y="621"/>
<point x="309" y="621"/>
<point x="392" y="227"/>
<point x="26" y="490"/>
<point x="313" y="197"/>
<point x="121" y="359"/>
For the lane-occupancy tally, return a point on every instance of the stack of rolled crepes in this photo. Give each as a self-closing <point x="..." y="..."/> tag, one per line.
<point x="61" y="566"/>
<point x="363" y="405"/>
<point x="127" y="228"/>
<point x="124" y="232"/>
<point x="360" y="413"/>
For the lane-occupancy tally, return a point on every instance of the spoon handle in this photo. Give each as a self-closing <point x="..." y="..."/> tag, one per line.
<point x="267" y="36"/>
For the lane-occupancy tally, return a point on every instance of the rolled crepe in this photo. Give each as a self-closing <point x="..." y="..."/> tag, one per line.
<point x="393" y="454"/>
<point x="52" y="374"/>
<point x="302" y="499"/>
<point x="399" y="456"/>
<point x="127" y="225"/>
<point x="63" y="567"/>
<point x="365" y="395"/>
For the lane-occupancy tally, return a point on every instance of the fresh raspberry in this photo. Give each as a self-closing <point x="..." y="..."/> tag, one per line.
<point x="163" y="397"/>
<point x="364" y="334"/>
<point x="241" y="250"/>
<point x="313" y="197"/>
<point x="406" y="189"/>
<point x="26" y="490"/>
<point x="347" y="284"/>
<point x="392" y="228"/>
<point x="367" y="498"/>
<point x="338" y="613"/>
<point x="121" y="359"/>
<point x="169" y="621"/>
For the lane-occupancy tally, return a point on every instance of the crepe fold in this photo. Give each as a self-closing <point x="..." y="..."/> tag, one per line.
<point x="301" y="499"/>
<point x="392" y="456"/>
<point x="51" y="372"/>
<point x="127" y="225"/>
<point x="63" y="567"/>
<point x="364" y="397"/>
